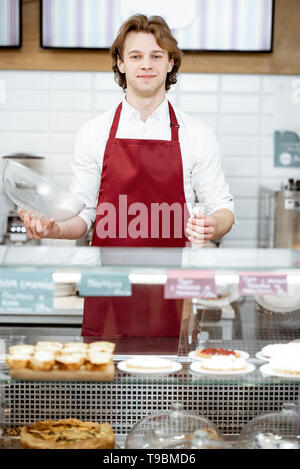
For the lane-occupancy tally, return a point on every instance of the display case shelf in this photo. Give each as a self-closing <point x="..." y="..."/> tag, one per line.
<point x="242" y="324"/>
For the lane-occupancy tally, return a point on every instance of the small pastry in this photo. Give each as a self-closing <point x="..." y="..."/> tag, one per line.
<point x="18" y="361"/>
<point x="102" y="346"/>
<point x="21" y="348"/>
<point x="97" y="360"/>
<point x="75" y="347"/>
<point x="70" y="361"/>
<point x="42" y="360"/>
<point x="48" y="345"/>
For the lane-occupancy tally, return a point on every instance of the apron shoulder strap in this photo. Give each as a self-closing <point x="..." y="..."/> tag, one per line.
<point x="173" y="124"/>
<point x="115" y="123"/>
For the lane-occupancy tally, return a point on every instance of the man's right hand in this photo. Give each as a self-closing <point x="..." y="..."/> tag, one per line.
<point x="38" y="228"/>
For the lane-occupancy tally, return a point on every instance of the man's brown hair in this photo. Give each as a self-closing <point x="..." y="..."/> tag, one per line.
<point x="155" y="25"/>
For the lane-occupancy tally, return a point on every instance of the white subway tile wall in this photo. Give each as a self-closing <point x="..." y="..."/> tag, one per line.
<point x="41" y="112"/>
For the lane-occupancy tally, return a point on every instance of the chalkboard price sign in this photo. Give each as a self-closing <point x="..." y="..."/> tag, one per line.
<point x="26" y="291"/>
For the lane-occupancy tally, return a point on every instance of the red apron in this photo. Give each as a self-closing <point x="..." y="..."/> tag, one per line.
<point x="144" y="173"/>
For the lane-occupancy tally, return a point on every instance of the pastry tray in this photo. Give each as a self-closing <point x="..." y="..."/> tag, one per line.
<point x="106" y="374"/>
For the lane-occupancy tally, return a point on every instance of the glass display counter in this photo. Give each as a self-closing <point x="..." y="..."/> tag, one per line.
<point x="233" y="299"/>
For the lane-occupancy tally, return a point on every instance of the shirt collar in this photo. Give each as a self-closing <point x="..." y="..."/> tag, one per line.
<point x="160" y="112"/>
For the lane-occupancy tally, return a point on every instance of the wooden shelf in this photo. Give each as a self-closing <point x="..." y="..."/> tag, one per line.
<point x="285" y="58"/>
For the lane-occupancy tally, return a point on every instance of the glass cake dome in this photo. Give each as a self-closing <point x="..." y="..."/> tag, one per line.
<point x="174" y="428"/>
<point x="278" y="430"/>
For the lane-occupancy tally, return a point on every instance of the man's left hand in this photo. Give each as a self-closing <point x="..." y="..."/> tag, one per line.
<point x="200" y="228"/>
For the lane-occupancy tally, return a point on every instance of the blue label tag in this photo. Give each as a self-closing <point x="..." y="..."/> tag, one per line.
<point x="287" y="150"/>
<point x="26" y="291"/>
<point x="104" y="284"/>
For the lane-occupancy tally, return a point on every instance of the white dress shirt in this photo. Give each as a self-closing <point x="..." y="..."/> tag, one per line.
<point x="204" y="180"/>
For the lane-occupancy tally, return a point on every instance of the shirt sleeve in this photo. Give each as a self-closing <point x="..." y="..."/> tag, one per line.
<point x="208" y="179"/>
<point x="86" y="172"/>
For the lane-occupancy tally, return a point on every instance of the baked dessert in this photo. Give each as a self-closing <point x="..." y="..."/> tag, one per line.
<point x="70" y="361"/>
<point x="18" y="361"/>
<point x="97" y="359"/>
<point x="148" y="363"/>
<point x="272" y="350"/>
<point x="48" y="345"/>
<point x="102" y="346"/>
<point x="286" y="364"/>
<point x="21" y="348"/>
<point x="10" y="431"/>
<point x="75" y="347"/>
<point x="210" y="352"/>
<point x="67" y="434"/>
<point x="224" y="363"/>
<point x="42" y="360"/>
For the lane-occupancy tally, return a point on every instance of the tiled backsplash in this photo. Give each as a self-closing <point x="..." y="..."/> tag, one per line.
<point x="41" y="112"/>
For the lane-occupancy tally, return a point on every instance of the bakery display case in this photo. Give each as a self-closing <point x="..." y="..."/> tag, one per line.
<point x="236" y="359"/>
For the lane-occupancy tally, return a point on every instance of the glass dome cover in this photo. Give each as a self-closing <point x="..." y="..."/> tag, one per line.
<point x="270" y="431"/>
<point x="171" y="429"/>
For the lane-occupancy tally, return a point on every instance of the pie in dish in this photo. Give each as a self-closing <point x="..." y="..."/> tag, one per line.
<point x="67" y="434"/>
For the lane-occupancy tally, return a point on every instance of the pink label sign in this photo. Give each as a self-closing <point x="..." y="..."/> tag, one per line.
<point x="262" y="283"/>
<point x="190" y="284"/>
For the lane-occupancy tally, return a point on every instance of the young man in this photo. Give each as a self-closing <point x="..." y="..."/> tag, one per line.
<point x="139" y="169"/>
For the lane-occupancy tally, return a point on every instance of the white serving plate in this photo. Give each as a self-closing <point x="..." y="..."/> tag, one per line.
<point x="174" y="367"/>
<point x="243" y="354"/>
<point x="260" y="356"/>
<point x="196" y="368"/>
<point x="266" y="370"/>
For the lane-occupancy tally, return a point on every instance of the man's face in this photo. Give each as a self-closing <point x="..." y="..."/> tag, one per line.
<point x="145" y="64"/>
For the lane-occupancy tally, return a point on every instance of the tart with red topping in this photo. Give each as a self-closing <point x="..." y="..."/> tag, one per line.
<point x="212" y="352"/>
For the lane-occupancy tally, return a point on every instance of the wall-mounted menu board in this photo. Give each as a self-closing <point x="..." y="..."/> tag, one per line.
<point x="10" y="23"/>
<point x="198" y="25"/>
